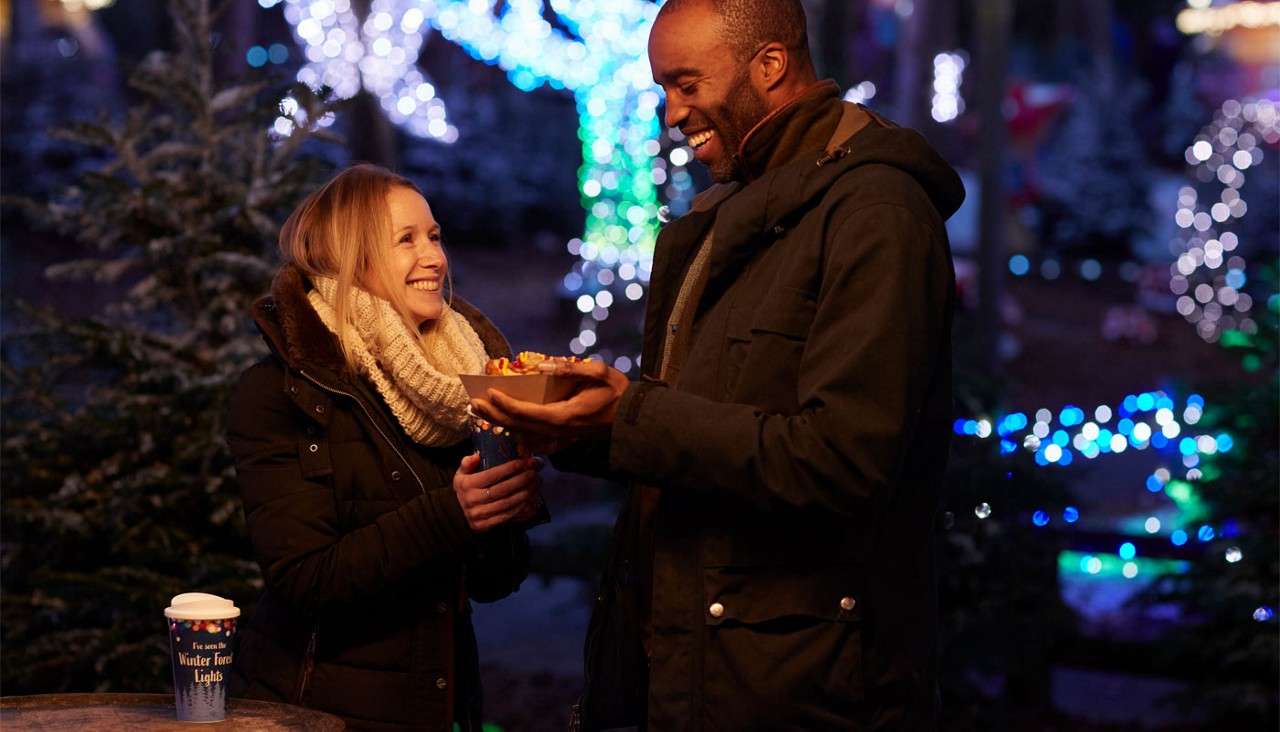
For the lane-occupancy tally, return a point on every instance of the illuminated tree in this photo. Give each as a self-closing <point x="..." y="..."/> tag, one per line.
<point x="596" y="50"/>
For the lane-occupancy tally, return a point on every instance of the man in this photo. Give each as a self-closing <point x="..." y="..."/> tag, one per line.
<point x="773" y="569"/>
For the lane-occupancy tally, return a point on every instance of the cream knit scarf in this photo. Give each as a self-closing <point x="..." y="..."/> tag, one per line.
<point x="420" y="385"/>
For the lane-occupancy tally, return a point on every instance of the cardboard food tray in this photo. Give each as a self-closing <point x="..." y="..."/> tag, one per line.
<point x="536" y="388"/>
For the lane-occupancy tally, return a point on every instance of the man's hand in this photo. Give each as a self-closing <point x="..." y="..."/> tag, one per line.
<point x="592" y="407"/>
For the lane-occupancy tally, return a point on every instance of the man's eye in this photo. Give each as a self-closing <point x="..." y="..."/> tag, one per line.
<point x="689" y="90"/>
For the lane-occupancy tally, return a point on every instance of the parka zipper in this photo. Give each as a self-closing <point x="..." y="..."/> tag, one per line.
<point x="421" y="486"/>
<point x="308" y="664"/>
<point x="575" y="716"/>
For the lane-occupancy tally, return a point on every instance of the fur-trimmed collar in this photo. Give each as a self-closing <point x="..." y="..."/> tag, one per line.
<point x="297" y="335"/>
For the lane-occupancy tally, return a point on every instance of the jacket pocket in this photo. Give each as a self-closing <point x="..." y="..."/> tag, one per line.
<point x="313" y="456"/>
<point x="764" y="345"/>
<point x="761" y="594"/>
<point x="783" y="648"/>
<point x="789" y="314"/>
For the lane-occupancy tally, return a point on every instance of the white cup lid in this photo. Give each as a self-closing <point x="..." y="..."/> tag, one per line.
<point x="189" y="597"/>
<point x="201" y="606"/>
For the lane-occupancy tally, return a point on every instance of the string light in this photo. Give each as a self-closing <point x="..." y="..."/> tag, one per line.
<point x="89" y="5"/>
<point x="379" y="55"/>
<point x="1146" y="420"/>
<point x="861" y="93"/>
<point x="1208" y="277"/>
<point x="1110" y="566"/>
<point x="1201" y="18"/>
<point x="625" y="174"/>
<point x="597" y="51"/>
<point x="948" y="73"/>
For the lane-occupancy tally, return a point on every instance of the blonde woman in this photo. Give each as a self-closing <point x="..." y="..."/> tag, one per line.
<point x="367" y="510"/>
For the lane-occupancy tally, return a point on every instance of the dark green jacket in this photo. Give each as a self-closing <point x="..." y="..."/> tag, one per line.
<point x="367" y="558"/>
<point x="787" y="569"/>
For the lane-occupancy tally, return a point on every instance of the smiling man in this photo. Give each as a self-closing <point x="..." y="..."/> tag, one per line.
<point x="774" y="566"/>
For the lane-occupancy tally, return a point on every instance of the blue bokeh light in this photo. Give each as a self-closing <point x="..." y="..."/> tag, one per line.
<point x="256" y="56"/>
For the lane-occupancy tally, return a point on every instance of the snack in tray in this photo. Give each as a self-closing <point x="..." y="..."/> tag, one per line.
<point x="524" y="364"/>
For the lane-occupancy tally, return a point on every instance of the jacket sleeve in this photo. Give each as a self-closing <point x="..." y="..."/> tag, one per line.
<point x="500" y="564"/>
<point x="293" y="520"/>
<point x="881" y="323"/>
<point x="589" y="456"/>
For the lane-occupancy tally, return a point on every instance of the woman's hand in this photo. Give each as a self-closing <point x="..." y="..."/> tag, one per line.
<point x="509" y="492"/>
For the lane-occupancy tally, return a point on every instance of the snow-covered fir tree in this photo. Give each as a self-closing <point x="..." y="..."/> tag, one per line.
<point x="118" y="487"/>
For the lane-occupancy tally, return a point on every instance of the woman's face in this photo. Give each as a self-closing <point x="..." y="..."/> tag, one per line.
<point x="416" y="259"/>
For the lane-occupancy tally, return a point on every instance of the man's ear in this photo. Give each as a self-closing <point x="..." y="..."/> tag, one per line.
<point x="771" y="66"/>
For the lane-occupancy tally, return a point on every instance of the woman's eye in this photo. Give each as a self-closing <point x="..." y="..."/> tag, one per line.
<point x="406" y="239"/>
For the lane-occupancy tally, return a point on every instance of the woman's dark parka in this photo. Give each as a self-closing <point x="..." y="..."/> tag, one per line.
<point x="367" y="557"/>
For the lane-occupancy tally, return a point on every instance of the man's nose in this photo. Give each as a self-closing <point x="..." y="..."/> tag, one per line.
<point x="676" y="114"/>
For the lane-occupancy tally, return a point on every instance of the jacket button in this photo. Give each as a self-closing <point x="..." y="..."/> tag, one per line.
<point x="441" y="683"/>
<point x="395" y="475"/>
<point x="442" y="608"/>
<point x="319" y="409"/>
<point x="847" y="603"/>
<point x="293" y="390"/>
<point x="716" y="610"/>
<point x="313" y="447"/>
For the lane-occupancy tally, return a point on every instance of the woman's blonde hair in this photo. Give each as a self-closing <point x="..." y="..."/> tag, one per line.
<point x="343" y="231"/>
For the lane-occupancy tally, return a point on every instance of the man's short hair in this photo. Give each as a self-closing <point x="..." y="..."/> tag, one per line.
<point x="751" y="24"/>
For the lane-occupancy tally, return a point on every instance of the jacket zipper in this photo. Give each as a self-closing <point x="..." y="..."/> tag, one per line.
<point x="409" y="466"/>
<point x="309" y="661"/>
<point x="308" y="664"/>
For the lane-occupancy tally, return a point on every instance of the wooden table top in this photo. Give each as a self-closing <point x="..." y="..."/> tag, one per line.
<point x="151" y="713"/>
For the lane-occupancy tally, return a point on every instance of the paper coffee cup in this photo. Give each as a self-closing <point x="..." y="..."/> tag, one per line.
<point x="202" y="630"/>
<point x="496" y="444"/>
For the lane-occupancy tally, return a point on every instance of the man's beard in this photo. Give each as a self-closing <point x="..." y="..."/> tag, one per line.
<point x="742" y="111"/>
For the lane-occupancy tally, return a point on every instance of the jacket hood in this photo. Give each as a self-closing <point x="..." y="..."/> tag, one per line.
<point x="884" y="143"/>
<point x="766" y="205"/>
<point x="294" y="331"/>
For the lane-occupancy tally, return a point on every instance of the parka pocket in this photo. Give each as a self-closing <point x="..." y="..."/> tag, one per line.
<point x="763" y="346"/>
<point x="761" y="594"/>
<point x="789" y="637"/>
<point x="790" y="314"/>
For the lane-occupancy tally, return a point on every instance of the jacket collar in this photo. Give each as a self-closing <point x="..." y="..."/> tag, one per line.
<point x="803" y="125"/>
<point x="763" y="209"/>
<point x="296" y="334"/>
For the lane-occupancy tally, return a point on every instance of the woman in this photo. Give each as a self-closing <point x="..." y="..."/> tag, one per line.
<point x="371" y="520"/>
